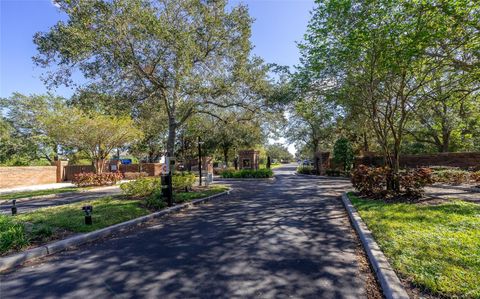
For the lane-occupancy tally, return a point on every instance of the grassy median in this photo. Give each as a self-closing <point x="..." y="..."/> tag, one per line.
<point x="435" y="247"/>
<point x="27" y="194"/>
<point x="53" y="223"/>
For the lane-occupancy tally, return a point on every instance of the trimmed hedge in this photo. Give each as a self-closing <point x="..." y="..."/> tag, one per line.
<point x="147" y="186"/>
<point x="247" y="173"/>
<point x="305" y="170"/>
<point x="96" y="179"/>
<point x="372" y="181"/>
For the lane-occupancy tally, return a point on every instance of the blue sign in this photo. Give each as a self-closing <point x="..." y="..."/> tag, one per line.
<point x="126" y="161"/>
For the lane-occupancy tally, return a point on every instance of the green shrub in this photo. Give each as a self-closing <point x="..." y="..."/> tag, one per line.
<point x="142" y="187"/>
<point x="247" y="173"/>
<point x="146" y="186"/>
<point x="155" y="200"/>
<point x="305" y="170"/>
<point x="96" y="179"/>
<point x="12" y="235"/>
<point x="183" y="180"/>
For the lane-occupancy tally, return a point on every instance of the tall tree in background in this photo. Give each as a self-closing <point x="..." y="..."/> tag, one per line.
<point x="184" y="56"/>
<point x="94" y="133"/>
<point x="378" y="57"/>
<point x="29" y="139"/>
<point x="311" y="122"/>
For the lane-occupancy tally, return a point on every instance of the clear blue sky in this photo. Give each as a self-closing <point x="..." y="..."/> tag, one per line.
<point x="278" y="25"/>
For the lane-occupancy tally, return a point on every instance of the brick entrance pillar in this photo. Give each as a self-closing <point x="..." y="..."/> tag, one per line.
<point x="61" y="170"/>
<point x="248" y="159"/>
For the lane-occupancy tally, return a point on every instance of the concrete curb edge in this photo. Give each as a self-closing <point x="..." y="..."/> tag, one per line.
<point x="391" y="286"/>
<point x="9" y="262"/>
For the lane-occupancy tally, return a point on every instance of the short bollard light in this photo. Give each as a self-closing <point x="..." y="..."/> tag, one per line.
<point x="88" y="214"/>
<point x="14" y="207"/>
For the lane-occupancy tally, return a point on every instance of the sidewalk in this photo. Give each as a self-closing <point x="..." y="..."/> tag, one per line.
<point x="35" y="187"/>
<point x="444" y="192"/>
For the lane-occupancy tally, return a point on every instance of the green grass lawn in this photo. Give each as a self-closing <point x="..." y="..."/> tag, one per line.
<point x="42" y="225"/>
<point x="436" y="247"/>
<point x="25" y="194"/>
<point x="187" y="196"/>
<point x="106" y="211"/>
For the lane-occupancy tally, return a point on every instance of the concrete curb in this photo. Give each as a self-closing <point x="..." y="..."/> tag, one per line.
<point x="391" y="286"/>
<point x="9" y="262"/>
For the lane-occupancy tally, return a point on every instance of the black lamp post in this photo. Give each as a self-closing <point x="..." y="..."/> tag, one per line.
<point x="200" y="142"/>
<point x="14" y="207"/>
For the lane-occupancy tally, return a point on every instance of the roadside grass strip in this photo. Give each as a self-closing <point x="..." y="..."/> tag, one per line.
<point x="435" y="247"/>
<point x="27" y="194"/>
<point x="52" y="223"/>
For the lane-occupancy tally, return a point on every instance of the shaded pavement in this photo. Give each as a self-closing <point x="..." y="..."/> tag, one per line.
<point x="290" y="238"/>
<point x="452" y="192"/>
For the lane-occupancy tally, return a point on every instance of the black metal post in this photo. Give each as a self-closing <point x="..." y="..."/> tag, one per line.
<point x="167" y="190"/>
<point x="200" y="160"/>
<point x="88" y="214"/>
<point x="14" y="207"/>
<point x="269" y="163"/>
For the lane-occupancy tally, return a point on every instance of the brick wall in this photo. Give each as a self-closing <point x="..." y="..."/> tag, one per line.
<point x="153" y="169"/>
<point x="462" y="160"/>
<point x="27" y="175"/>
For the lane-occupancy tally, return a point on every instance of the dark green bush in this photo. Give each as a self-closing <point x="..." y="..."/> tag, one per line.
<point x="183" y="180"/>
<point x="247" y="173"/>
<point x="305" y="170"/>
<point x="144" y="187"/>
<point x="155" y="201"/>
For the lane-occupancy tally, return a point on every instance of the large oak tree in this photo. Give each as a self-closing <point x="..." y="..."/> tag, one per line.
<point x="183" y="56"/>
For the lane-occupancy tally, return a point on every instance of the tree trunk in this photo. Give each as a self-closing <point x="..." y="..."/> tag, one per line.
<point x="172" y="130"/>
<point x="225" y="156"/>
<point x="365" y="142"/>
<point x="445" y="141"/>
<point x="99" y="165"/>
<point x="317" y="160"/>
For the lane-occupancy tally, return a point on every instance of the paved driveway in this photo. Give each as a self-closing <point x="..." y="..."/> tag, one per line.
<point x="285" y="239"/>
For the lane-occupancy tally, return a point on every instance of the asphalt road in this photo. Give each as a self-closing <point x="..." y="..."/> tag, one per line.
<point x="284" y="239"/>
